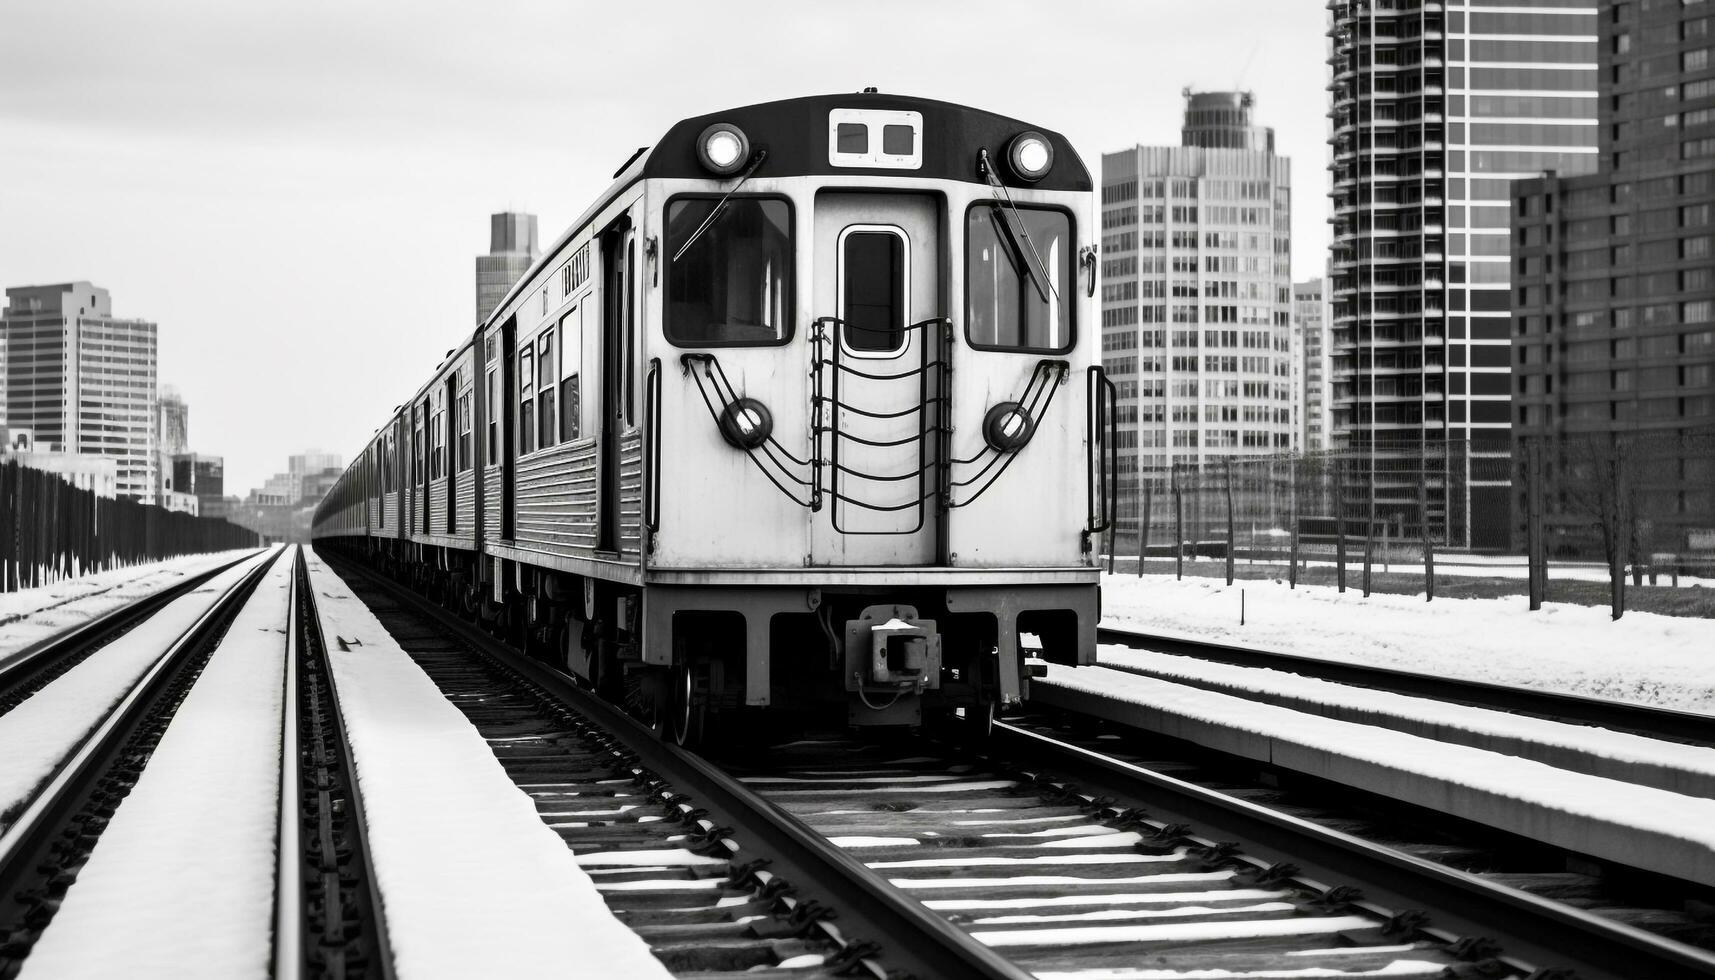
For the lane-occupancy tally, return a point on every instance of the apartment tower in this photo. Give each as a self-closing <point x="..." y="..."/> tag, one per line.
<point x="1614" y="339"/>
<point x="1197" y="294"/>
<point x="1436" y="108"/>
<point x="82" y="379"/>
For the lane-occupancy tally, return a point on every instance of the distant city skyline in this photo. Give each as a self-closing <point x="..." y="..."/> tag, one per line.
<point x="297" y="206"/>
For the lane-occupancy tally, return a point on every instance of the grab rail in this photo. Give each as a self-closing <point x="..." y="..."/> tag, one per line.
<point x="652" y="451"/>
<point x="1101" y="454"/>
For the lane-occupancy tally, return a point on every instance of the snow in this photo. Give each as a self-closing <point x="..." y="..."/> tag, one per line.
<point x="42" y="731"/>
<point x="1669" y="832"/>
<point x="458" y="851"/>
<point x="1182" y="932"/>
<point x="1671" y="765"/>
<point x="30" y="616"/>
<point x="203" y="816"/>
<point x="1662" y="660"/>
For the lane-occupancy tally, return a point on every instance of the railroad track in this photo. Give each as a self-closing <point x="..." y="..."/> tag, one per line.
<point x="46" y="837"/>
<point x="1070" y="860"/>
<point x="1667" y="724"/>
<point x="1099" y="864"/>
<point x="37" y="665"/>
<point x="716" y="880"/>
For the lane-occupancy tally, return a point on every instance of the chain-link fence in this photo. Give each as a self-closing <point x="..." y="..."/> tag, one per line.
<point x="1602" y="506"/>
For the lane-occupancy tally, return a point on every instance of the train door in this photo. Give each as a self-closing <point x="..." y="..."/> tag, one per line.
<point x="503" y="411"/>
<point x="878" y="270"/>
<point x="618" y="351"/>
<point x="449" y="460"/>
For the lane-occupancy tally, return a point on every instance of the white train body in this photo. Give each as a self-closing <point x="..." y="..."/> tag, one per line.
<point x="805" y="410"/>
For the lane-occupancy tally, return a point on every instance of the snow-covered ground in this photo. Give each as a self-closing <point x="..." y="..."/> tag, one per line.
<point x="471" y="879"/>
<point x="1662" y="660"/>
<point x="31" y="615"/>
<point x="1663" y="831"/>
<point x="41" y="732"/>
<point x="1456" y="565"/>
<point x="204" y="816"/>
<point x="1682" y="768"/>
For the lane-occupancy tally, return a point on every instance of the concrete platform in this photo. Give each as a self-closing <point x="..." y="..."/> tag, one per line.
<point x="1639" y="826"/>
<point x="1688" y="769"/>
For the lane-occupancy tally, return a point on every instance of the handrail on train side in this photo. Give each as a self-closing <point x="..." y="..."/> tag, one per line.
<point x="1101" y="454"/>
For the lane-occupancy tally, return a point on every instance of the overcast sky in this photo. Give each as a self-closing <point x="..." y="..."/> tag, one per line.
<point x="296" y="191"/>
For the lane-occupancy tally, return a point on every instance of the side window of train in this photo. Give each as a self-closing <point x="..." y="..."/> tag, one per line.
<point x="547" y="378"/>
<point x="1019" y="280"/>
<point x="571" y="365"/>
<point x="464" y="418"/>
<point x="732" y="286"/>
<point x="491" y="400"/>
<point x="526" y="399"/>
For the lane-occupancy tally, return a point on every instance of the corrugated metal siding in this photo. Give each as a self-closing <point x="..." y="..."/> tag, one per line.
<point x="392" y="506"/>
<point x="437" y="507"/>
<point x="491" y="504"/>
<point x="631" y="494"/>
<point x="556" y="500"/>
<point x="464" y="516"/>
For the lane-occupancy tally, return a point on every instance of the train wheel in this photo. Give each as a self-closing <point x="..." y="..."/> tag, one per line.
<point x="689" y="712"/>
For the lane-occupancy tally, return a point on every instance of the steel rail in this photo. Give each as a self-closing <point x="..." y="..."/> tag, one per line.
<point x="913" y="938"/>
<point x="26" y="845"/>
<point x="288" y="881"/>
<point x="1533" y="932"/>
<point x="1665" y="723"/>
<point x="27" y="664"/>
<point x="362" y="852"/>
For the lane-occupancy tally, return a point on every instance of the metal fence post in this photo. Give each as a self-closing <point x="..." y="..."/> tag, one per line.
<point x="1535" y="554"/>
<point x="1143" y="526"/>
<point x="1232" y="539"/>
<point x="1340" y="522"/>
<point x="1292" y="515"/>
<point x="1423" y="529"/>
<point x="1178" y="527"/>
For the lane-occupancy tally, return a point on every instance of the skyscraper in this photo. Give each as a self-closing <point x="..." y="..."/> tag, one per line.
<point x="1196" y="292"/>
<point x="1311" y="324"/>
<point x="511" y="250"/>
<point x="82" y="379"/>
<point x="1435" y="109"/>
<point x="172" y="436"/>
<point x="1615" y="315"/>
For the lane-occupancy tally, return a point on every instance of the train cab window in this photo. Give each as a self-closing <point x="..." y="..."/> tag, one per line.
<point x="547" y="379"/>
<point x="733" y="284"/>
<point x="1019" y="281"/>
<point x="464" y="423"/>
<point x="526" y="400"/>
<point x="873" y="277"/>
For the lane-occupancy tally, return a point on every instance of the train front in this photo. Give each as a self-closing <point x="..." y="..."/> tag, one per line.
<point x="881" y="433"/>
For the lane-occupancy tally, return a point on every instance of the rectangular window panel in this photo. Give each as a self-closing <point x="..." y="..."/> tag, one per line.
<point x="733" y="284"/>
<point x="1020" y="280"/>
<point x="873" y="284"/>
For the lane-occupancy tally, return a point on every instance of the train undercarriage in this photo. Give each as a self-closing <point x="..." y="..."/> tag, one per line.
<point x="702" y="662"/>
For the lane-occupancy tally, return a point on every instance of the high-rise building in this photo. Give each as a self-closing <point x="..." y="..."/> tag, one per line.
<point x="511" y="250"/>
<point x="172" y="437"/>
<point x="1197" y="293"/>
<point x="1435" y="109"/>
<point x="205" y="477"/>
<point x="82" y="379"/>
<point x="1615" y="316"/>
<point x="1311" y="324"/>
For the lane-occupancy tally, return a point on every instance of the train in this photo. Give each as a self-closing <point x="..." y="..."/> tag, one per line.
<point x="804" y="414"/>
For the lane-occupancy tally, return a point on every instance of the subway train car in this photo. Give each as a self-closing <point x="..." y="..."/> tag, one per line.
<point x="804" y="413"/>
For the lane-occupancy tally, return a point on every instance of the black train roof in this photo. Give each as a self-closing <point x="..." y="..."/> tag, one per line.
<point x="795" y="133"/>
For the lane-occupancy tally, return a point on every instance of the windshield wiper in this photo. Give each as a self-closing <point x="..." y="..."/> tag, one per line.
<point x="1044" y="284"/>
<point x="720" y="206"/>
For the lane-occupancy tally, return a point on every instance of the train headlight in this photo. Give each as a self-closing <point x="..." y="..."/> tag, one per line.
<point x="1030" y="155"/>
<point x="1007" y="427"/>
<point x="722" y="149"/>
<point x="746" y="424"/>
